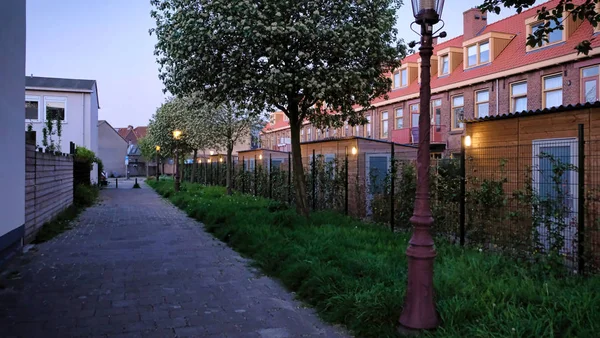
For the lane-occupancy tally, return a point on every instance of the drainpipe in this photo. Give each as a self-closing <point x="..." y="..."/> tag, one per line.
<point x="497" y="89"/>
<point x="83" y="114"/>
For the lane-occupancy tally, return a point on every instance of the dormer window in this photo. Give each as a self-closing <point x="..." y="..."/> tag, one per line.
<point x="478" y="54"/>
<point x="553" y="37"/>
<point x="396" y="80"/>
<point x="557" y="36"/>
<point x="445" y="64"/>
<point x="404" y="77"/>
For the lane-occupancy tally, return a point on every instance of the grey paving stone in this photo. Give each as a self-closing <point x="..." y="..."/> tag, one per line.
<point x="135" y="266"/>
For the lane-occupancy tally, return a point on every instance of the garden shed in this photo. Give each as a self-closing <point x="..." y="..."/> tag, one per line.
<point x="262" y="156"/>
<point x="544" y="167"/>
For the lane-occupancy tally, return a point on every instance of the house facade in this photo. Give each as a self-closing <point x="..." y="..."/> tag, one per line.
<point x="12" y="89"/>
<point x="74" y="102"/>
<point x="487" y="71"/>
<point x="112" y="149"/>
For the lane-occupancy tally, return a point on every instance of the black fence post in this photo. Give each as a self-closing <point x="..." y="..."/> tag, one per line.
<point x="581" y="202"/>
<point x="255" y="176"/>
<point x="346" y="183"/>
<point x="289" y="178"/>
<point x="71" y="148"/>
<point x="392" y="188"/>
<point x="270" y="176"/>
<point x="314" y="180"/>
<point x="461" y="197"/>
<point x="243" y="175"/>
<point x="117" y="183"/>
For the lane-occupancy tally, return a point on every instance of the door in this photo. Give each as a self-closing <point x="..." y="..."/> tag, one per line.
<point x="555" y="184"/>
<point x="377" y="168"/>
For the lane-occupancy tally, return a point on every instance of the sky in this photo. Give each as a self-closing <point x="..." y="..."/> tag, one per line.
<point x="108" y="41"/>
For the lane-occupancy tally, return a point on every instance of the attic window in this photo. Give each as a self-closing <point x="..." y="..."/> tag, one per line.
<point x="555" y="37"/>
<point x="445" y="64"/>
<point x="478" y="54"/>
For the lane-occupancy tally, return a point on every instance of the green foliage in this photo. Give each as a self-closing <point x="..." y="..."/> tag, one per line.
<point x="551" y="15"/>
<point x="291" y="56"/>
<point x="53" y="127"/>
<point x="83" y="154"/>
<point x="84" y="196"/>
<point x="354" y="273"/>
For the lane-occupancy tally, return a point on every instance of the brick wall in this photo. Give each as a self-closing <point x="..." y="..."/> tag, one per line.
<point x="48" y="186"/>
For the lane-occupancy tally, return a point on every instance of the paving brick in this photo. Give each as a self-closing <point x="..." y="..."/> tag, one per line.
<point x="135" y="266"/>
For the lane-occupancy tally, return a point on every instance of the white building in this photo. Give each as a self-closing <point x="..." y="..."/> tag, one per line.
<point x="74" y="101"/>
<point x="12" y="89"/>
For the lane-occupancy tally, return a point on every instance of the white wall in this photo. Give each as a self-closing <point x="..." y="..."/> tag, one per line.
<point x="12" y="137"/>
<point x="93" y="104"/>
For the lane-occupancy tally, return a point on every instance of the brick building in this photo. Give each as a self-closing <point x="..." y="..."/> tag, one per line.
<point x="487" y="71"/>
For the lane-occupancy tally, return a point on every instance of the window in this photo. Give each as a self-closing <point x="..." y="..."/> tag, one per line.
<point x="414" y="115"/>
<point x="445" y="61"/>
<point x="552" y="91"/>
<point x="458" y="112"/>
<point x="285" y="118"/>
<point x="471" y="56"/>
<point x="56" y="108"/>
<point x="482" y="103"/>
<point x="404" y="77"/>
<point x="309" y="134"/>
<point x="518" y="96"/>
<point x="478" y="54"/>
<point x="589" y="84"/>
<point x="397" y="80"/>
<point x="399" y="118"/>
<point x="436" y="114"/>
<point x="553" y="37"/>
<point x="368" y="127"/>
<point x="356" y="130"/>
<point x="384" y="125"/>
<point x="327" y="133"/>
<point x="32" y="108"/>
<point x="347" y="129"/>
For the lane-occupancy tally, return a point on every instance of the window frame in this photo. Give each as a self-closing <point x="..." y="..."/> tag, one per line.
<point x="412" y="112"/>
<point x="398" y="118"/>
<point x="368" y="131"/>
<point x="477" y="103"/>
<point x="441" y="70"/>
<point x="532" y="22"/>
<point x="513" y="97"/>
<point x="453" y="114"/>
<point x="434" y="115"/>
<point x="403" y="72"/>
<point x="385" y="132"/>
<point x="39" y="101"/>
<point x="477" y="46"/>
<point x="61" y="99"/>
<point x="589" y="78"/>
<point x="398" y="80"/>
<point x="555" y="89"/>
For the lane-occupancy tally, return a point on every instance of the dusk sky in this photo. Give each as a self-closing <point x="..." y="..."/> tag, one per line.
<point x="108" y="41"/>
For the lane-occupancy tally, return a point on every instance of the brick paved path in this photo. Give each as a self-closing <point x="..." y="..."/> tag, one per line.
<point x="135" y="266"/>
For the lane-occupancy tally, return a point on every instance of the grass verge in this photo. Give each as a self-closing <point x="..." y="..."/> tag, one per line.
<point x="354" y="273"/>
<point x="84" y="196"/>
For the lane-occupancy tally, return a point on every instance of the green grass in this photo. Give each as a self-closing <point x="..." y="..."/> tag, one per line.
<point x="354" y="273"/>
<point x="84" y="196"/>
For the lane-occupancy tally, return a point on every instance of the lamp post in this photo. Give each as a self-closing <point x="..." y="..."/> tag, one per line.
<point x="419" y="308"/>
<point x="157" y="163"/>
<point x="177" y="136"/>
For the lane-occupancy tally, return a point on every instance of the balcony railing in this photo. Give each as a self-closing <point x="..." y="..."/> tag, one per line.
<point x="411" y="135"/>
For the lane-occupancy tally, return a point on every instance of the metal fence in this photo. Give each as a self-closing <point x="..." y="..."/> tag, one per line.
<point x="536" y="200"/>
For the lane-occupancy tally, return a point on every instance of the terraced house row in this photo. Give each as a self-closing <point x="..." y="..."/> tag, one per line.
<point x="485" y="72"/>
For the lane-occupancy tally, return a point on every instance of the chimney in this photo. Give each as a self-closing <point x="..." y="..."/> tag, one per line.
<point x="129" y="127"/>
<point x="474" y="21"/>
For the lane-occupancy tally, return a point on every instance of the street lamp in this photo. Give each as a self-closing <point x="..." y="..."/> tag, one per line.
<point x="419" y="307"/>
<point x="157" y="164"/>
<point x="177" y="136"/>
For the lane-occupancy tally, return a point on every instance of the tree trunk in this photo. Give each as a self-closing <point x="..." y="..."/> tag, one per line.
<point x="194" y="166"/>
<point x="298" y="169"/>
<point x="229" y="166"/>
<point x="181" y="164"/>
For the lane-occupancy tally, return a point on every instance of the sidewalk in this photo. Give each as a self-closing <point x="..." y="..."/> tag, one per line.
<point x="135" y="266"/>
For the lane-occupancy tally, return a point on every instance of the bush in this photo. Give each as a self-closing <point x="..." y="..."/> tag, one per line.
<point x="355" y="273"/>
<point x="84" y="195"/>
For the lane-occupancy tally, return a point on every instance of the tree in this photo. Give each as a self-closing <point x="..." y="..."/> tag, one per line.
<point x="553" y="17"/>
<point x="322" y="60"/>
<point x="182" y="114"/>
<point x="229" y="124"/>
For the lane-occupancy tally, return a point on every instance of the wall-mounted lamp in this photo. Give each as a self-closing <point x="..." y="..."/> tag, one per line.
<point x="221" y="159"/>
<point x="354" y="151"/>
<point x="199" y="160"/>
<point x="260" y="157"/>
<point x="211" y="153"/>
<point x="468" y="141"/>
<point x="209" y="160"/>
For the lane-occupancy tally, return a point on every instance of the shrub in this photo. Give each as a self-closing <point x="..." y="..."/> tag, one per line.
<point x="84" y="195"/>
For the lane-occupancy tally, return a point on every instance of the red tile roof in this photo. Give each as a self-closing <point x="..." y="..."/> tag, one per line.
<point x="513" y="56"/>
<point x="122" y="131"/>
<point x="140" y="132"/>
